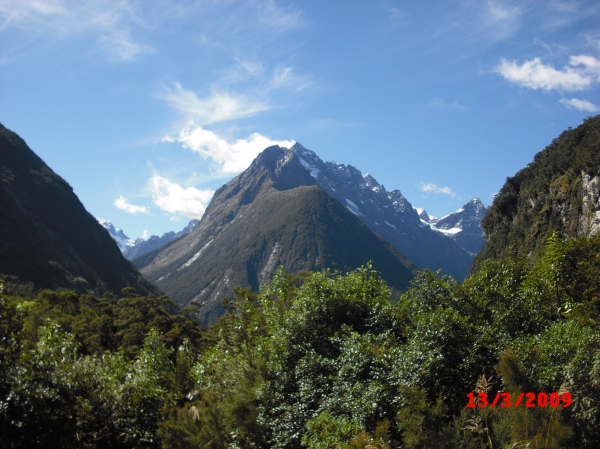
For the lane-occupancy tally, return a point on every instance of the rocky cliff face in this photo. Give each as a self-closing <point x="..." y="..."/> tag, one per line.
<point x="589" y="220"/>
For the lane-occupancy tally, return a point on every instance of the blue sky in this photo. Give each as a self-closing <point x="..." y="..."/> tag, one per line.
<point x="146" y="108"/>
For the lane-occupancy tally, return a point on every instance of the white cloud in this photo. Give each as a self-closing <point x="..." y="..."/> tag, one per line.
<point x="590" y="64"/>
<point x="216" y="108"/>
<point x="145" y="235"/>
<point x="170" y="197"/>
<point x="429" y="187"/>
<point x="124" y="205"/>
<point x="535" y="75"/>
<point x="111" y="22"/>
<point x="582" y="105"/>
<point x="230" y="157"/>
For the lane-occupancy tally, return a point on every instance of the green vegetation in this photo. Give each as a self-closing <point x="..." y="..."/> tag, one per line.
<point x="546" y="196"/>
<point x="316" y="360"/>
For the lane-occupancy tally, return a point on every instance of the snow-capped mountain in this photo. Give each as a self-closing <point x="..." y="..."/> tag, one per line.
<point x="271" y="215"/>
<point x="425" y="217"/>
<point x="389" y="214"/>
<point x="463" y="225"/>
<point x="117" y="234"/>
<point x="141" y="246"/>
<point x="138" y="247"/>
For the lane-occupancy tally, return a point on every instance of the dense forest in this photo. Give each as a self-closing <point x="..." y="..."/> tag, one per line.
<point x="553" y="193"/>
<point x="316" y="360"/>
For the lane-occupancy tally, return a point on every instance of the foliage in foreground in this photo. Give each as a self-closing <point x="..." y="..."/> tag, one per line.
<point x="319" y="360"/>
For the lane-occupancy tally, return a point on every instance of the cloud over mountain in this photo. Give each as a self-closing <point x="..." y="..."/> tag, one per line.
<point x="228" y="157"/>
<point x="187" y="201"/>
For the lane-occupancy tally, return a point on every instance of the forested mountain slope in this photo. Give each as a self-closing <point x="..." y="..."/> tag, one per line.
<point x="47" y="237"/>
<point x="558" y="191"/>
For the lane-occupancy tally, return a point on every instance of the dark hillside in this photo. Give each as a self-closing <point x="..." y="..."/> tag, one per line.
<point x="46" y="235"/>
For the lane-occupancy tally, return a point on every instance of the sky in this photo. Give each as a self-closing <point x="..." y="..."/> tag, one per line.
<point x="147" y="107"/>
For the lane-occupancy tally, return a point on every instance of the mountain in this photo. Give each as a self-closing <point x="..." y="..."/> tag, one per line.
<point x="270" y="215"/>
<point x="388" y="214"/>
<point x="141" y="246"/>
<point x="557" y="191"/>
<point x="117" y="234"/>
<point x="424" y="216"/>
<point x="46" y="235"/>
<point x="463" y="226"/>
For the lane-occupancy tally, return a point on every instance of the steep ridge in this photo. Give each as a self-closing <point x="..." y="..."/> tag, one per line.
<point x="272" y="214"/>
<point x="46" y="235"/>
<point x="558" y="191"/>
<point x="388" y="214"/>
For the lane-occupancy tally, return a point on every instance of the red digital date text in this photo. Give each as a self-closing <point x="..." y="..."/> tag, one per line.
<point x="531" y="400"/>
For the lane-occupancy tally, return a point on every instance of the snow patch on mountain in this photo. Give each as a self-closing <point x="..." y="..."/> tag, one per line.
<point x="451" y="231"/>
<point x="194" y="257"/>
<point x="314" y="172"/>
<point x="351" y="206"/>
<point x="462" y="225"/>
<point x="117" y="234"/>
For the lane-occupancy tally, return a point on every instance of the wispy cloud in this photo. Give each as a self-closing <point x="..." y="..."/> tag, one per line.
<point x="592" y="42"/>
<point x="218" y="107"/>
<point x="175" y="199"/>
<point x="281" y="19"/>
<point x="432" y="188"/>
<point x="124" y="205"/>
<point x="228" y="157"/>
<point x="111" y="22"/>
<point x="441" y="104"/>
<point x="252" y="68"/>
<point x="501" y="20"/>
<point x="287" y="77"/>
<point x="123" y="46"/>
<point x="582" y="73"/>
<point x="582" y="105"/>
<point x="395" y="13"/>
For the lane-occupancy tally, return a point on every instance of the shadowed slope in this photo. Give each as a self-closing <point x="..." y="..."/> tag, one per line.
<point x="46" y="235"/>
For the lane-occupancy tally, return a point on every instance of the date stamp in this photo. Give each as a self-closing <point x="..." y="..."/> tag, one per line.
<point x="529" y="400"/>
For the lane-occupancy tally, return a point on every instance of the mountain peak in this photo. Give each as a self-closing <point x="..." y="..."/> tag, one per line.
<point x="475" y="204"/>
<point x="117" y="234"/>
<point x="388" y="214"/>
<point x="463" y="225"/>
